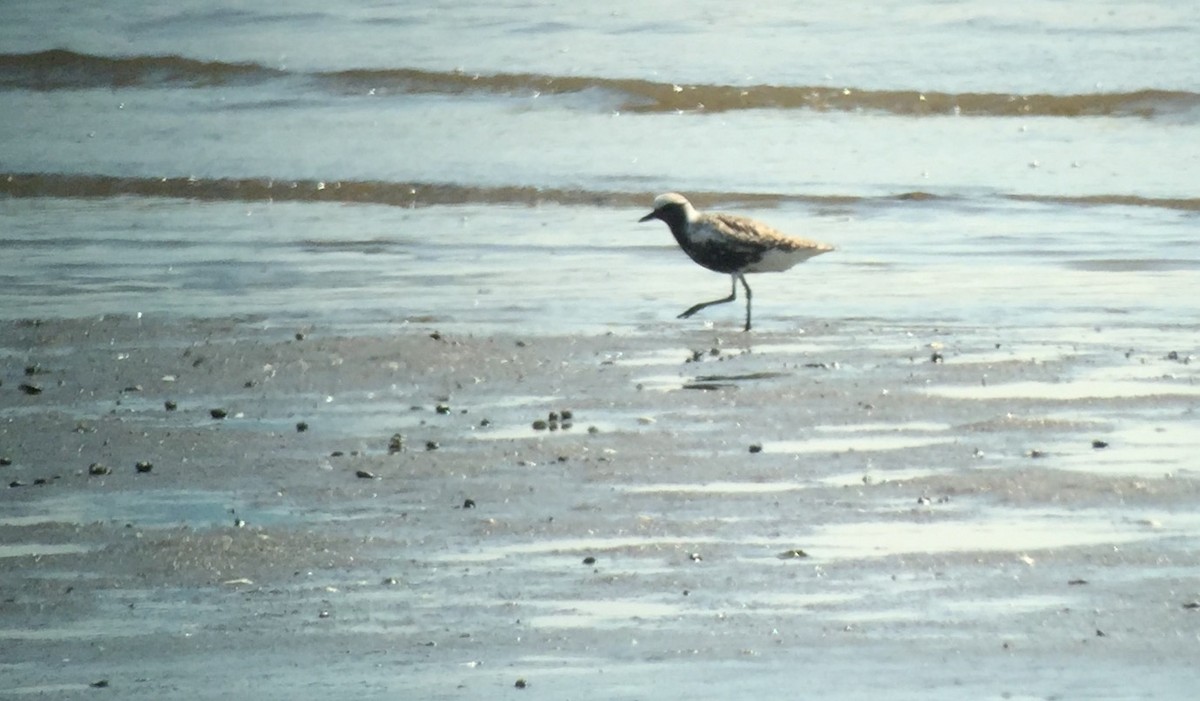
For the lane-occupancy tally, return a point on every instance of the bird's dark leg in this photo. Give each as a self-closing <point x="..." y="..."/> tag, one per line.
<point x="743" y="279"/>
<point x="732" y="296"/>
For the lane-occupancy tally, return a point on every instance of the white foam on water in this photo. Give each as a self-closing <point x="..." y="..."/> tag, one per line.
<point x="1137" y="447"/>
<point x="43" y="549"/>
<point x="866" y="437"/>
<point x="712" y="488"/>
<point x="993" y="531"/>
<point x="1121" y="382"/>
<point x="598" y="613"/>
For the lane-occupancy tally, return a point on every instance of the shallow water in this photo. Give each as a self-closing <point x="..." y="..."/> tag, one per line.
<point x="500" y="154"/>
<point x="570" y="268"/>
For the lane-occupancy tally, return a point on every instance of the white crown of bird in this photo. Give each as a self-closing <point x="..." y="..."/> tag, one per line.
<point x="672" y="198"/>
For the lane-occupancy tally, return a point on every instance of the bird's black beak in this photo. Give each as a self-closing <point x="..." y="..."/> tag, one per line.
<point x="648" y="217"/>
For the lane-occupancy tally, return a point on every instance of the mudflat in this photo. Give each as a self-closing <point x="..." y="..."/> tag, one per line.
<point x="228" y="508"/>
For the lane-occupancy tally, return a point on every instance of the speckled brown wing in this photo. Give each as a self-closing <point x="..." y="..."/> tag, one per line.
<point x="742" y="231"/>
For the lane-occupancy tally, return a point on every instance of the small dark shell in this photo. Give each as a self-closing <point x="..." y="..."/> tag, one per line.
<point x="792" y="554"/>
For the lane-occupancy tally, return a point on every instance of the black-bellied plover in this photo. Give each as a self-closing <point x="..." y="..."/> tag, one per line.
<point x="729" y="244"/>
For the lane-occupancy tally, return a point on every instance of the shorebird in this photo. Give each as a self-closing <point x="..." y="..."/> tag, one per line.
<point x="730" y="244"/>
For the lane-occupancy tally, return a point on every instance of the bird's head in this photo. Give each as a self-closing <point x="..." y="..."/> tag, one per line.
<point x="671" y="208"/>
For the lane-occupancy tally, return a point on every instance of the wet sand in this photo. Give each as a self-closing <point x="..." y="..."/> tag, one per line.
<point x="858" y="510"/>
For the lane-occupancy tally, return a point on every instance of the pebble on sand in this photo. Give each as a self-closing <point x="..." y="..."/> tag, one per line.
<point x="792" y="554"/>
<point x="96" y="469"/>
<point x="218" y="413"/>
<point x="144" y="466"/>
